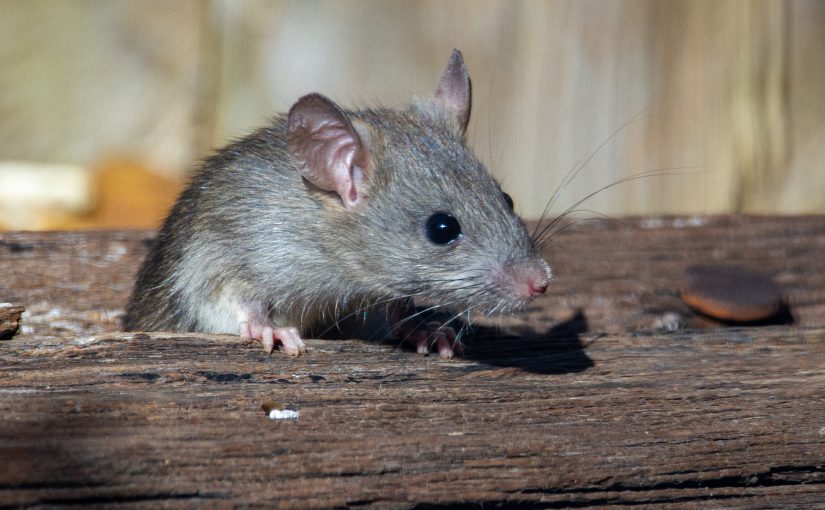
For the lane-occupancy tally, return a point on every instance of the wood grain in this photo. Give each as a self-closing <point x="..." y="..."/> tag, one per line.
<point x="588" y="401"/>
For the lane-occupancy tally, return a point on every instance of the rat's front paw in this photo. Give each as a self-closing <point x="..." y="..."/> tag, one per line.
<point x="434" y="335"/>
<point x="407" y="325"/>
<point x="290" y="339"/>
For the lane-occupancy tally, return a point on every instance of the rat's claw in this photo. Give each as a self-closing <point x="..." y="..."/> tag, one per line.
<point x="291" y="340"/>
<point x="433" y="334"/>
<point x="421" y="340"/>
<point x="267" y="334"/>
<point x="244" y="330"/>
<point x="423" y="336"/>
<point x="446" y="342"/>
<point x="268" y="339"/>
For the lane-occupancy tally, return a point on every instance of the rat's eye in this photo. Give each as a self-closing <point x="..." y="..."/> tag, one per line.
<point x="508" y="199"/>
<point x="442" y="228"/>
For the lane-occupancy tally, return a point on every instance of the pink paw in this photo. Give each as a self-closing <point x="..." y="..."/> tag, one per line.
<point x="290" y="339"/>
<point x="424" y="336"/>
<point x="435" y="334"/>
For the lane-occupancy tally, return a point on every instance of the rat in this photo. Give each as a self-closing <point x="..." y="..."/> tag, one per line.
<point x="327" y="212"/>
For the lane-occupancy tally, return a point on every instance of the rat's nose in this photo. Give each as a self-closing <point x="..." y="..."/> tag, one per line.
<point x="537" y="288"/>
<point x="538" y="278"/>
<point x="525" y="279"/>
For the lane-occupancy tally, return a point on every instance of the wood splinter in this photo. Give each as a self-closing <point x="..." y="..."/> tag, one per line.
<point x="9" y="320"/>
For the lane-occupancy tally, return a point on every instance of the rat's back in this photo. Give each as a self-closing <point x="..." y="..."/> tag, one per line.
<point x="213" y="234"/>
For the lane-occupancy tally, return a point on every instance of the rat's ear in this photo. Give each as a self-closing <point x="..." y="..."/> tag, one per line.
<point x="454" y="91"/>
<point x="328" y="150"/>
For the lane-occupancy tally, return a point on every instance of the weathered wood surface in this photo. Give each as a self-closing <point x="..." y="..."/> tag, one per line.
<point x="588" y="401"/>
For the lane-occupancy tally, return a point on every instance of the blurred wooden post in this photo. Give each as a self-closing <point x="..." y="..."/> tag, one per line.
<point x="730" y="89"/>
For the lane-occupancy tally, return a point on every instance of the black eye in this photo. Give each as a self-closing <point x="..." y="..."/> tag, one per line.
<point x="508" y="199"/>
<point x="442" y="228"/>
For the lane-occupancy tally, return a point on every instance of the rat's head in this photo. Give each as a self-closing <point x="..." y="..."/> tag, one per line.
<point x="413" y="211"/>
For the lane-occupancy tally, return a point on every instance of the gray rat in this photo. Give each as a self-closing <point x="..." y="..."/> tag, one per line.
<point x="327" y="211"/>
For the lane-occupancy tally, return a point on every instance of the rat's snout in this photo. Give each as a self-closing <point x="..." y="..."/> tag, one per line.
<point x="536" y="277"/>
<point x="525" y="279"/>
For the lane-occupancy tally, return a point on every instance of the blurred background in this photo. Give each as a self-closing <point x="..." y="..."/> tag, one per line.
<point x="106" y="106"/>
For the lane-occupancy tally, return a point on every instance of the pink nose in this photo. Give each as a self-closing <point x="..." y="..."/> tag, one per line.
<point x="537" y="288"/>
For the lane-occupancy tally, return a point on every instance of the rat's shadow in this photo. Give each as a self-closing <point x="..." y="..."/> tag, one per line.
<point x="559" y="350"/>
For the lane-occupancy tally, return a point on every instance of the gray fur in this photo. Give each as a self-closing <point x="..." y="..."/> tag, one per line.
<point x="249" y="230"/>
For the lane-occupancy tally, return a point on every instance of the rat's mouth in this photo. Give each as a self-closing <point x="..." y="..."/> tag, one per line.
<point x="507" y="288"/>
<point x="492" y="306"/>
<point x="504" y="307"/>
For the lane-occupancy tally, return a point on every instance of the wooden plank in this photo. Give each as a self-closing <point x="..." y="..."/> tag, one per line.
<point x="709" y="417"/>
<point x="599" y="408"/>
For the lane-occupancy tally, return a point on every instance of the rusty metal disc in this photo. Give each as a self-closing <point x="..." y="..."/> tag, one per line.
<point x="731" y="293"/>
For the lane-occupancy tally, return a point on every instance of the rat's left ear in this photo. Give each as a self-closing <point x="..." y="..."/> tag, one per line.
<point x="454" y="91"/>
<point x="327" y="149"/>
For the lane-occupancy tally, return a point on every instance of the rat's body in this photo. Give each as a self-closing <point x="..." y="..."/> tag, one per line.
<point x="327" y="211"/>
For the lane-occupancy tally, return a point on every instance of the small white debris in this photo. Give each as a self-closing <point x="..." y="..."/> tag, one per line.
<point x="697" y="221"/>
<point x="116" y="252"/>
<point x="670" y="321"/>
<point x="691" y="221"/>
<point x="283" y="414"/>
<point x="679" y="222"/>
<point x="652" y="223"/>
<point x="84" y="341"/>
<point x="278" y="411"/>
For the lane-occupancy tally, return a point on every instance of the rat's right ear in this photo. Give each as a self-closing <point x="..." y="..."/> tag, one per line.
<point x="454" y="91"/>
<point x="327" y="148"/>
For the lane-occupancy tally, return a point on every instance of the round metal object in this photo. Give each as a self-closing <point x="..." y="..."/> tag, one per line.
<point x="731" y="293"/>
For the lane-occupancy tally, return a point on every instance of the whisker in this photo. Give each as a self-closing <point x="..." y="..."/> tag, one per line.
<point x="543" y="242"/>
<point x="661" y="172"/>
<point x="582" y="163"/>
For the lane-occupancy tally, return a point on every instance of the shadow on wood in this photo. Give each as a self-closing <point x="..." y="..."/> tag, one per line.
<point x="558" y="351"/>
